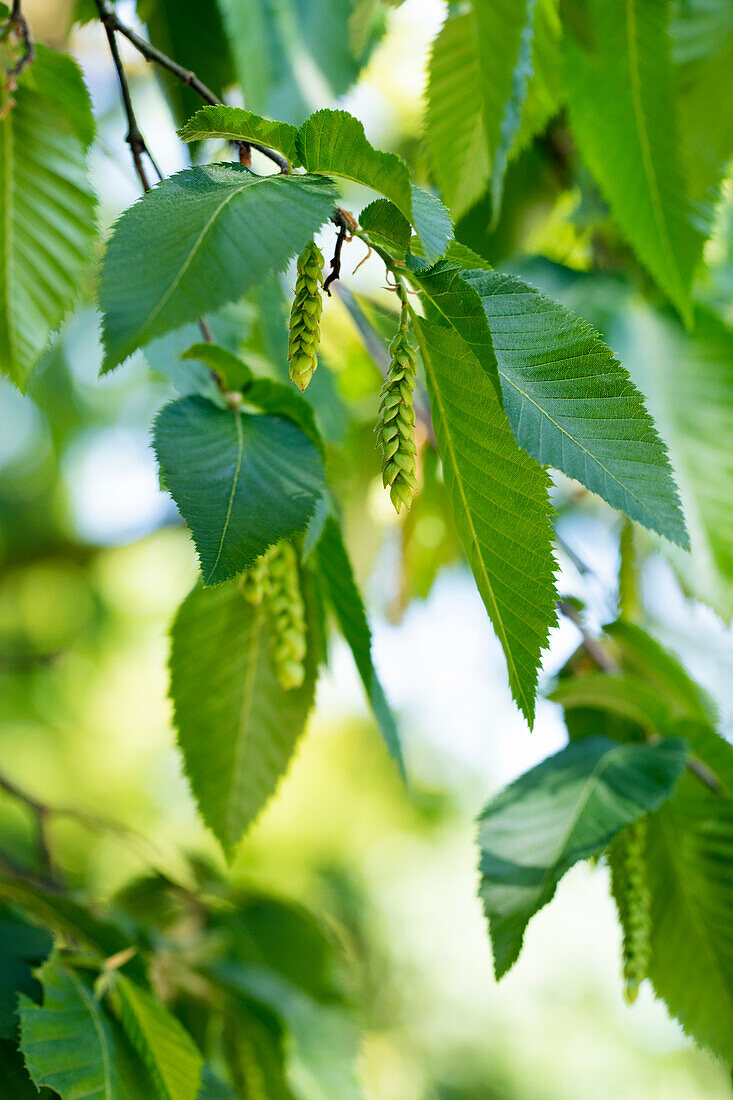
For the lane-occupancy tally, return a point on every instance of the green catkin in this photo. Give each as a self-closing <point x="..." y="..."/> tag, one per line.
<point x="274" y="581"/>
<point x="396" y="424"/>
<point x="305" y="316"/>
<point x="632" y="892"/>
<point x="286" y="611"/>
<point x="254" y="582"/>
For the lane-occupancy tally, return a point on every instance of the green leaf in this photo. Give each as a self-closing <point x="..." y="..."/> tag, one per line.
<point x="643" y="655"/>
<point x="197" y="241"/>
<point x="432" y="222"/>
<point x="454" y="121"/>
<point x="223" y="681"/>
<point x="634" y="155"/>
<point x="513" y="107"/>
<point x="293" y="56"/>
<point x="164" y="1046"/>
<point x="63" y="914"/>
<point x="702" y="49"/>
<point x="14" y="1075"/>
<point x="708" y="746"/>
<point x="694" y="405"/>
<point x="480" y="72"/>
<point x="22" y="947"/>
<point x="242" y="482"/>
<point x="279" y="399"/>
<point x="236" y="124"/>
<point x="198" y="43"/>
<point x="572" y="405"/>
<point x="622" y="694"/>
<point x="334" y="142"/>
<point x="458" y="305"/>
<point x="690" y="875"/>
<point x="566" y="809"/>
<point x="283" y="938"/>
<point x="233" y="371"/>
<point x="254" y="1048"/>
<point x="47" y="221"/>
<point x="386" y="227"/>
<point x="67" y="1042"/>
<point x="335" y="569"/>
<point x="499" y="498"/>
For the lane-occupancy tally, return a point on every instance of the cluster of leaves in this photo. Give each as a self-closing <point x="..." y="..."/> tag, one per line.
<point x="179" y="991"/>
<point x="516" y="383"/>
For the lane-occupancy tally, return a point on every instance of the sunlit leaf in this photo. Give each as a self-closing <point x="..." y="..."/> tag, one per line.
<point x="202" y="233"/>
<point x="223" y="681"/>
<point x="500" y="504"/>
<point x="566" y="809"/>
<point x="573" y="406"/>
<point x="48" y="225"/>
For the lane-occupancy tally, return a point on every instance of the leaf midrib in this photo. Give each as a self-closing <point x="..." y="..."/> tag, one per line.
<point x="498" y="621"/>
<point x="584" y="795"/>
<point x="646" y="154"/>
<point x="245" y="711"/>
<point x="98" y="1029"/>
<point x="150" y="319"/>
<point x="687" y="900"/>
<point x="235" y="482"/>
<point x="405" y="208"/>
<point x="8" y="158"/>
<point x="588" y="454"/>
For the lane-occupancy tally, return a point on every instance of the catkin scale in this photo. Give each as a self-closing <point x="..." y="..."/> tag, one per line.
<point x="305" y="316"/>
<point x="274" y="580"/>
<point x="631" y="889"/>
<point x="396" y="422"/>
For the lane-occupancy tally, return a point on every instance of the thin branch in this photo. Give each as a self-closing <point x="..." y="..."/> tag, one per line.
<point x="608" y="665"/>
<point x="154" y="55"/>
<point x="18" y="20"/>
<point x="40" y="815"/>
<point x="595" y="650"/>
<point x="339" y="220"/>
<point x="134" y="137"/>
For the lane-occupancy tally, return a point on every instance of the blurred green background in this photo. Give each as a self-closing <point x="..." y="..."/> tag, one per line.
<point x="94" y="564"/>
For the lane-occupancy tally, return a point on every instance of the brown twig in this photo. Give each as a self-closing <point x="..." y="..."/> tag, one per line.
<point x="608" y="665"/>
<point x="155" y="56"/>
<point x="134" y="137"/>
<point x="339" y="220"/>
<point x="595" y="650"/>
<point x="18" y="20"/>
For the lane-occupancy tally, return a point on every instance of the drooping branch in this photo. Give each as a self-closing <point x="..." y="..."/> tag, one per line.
<point x="152" y="54"/>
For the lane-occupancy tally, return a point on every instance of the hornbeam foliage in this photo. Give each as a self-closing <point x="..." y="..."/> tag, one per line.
<point x="550" y="249"/>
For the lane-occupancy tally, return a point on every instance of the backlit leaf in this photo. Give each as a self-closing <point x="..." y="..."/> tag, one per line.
<point x="573" y="406"/>
<point x="47" y="228"/>
<point x="566" y="809"/>
<point x="223" y="681"/>
<point x="500" y="504"/>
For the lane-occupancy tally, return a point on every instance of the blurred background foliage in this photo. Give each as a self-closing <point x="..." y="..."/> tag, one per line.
<point x="93" y="563"/>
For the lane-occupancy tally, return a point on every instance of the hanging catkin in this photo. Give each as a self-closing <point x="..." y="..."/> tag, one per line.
<point x="305" y="316"/>
<point x="396" y="424"/>
<point x="254" y="582"/>
<point x="631" y="889"/>
<point x="287" y="616"/>
<point x="275" y="581"/>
